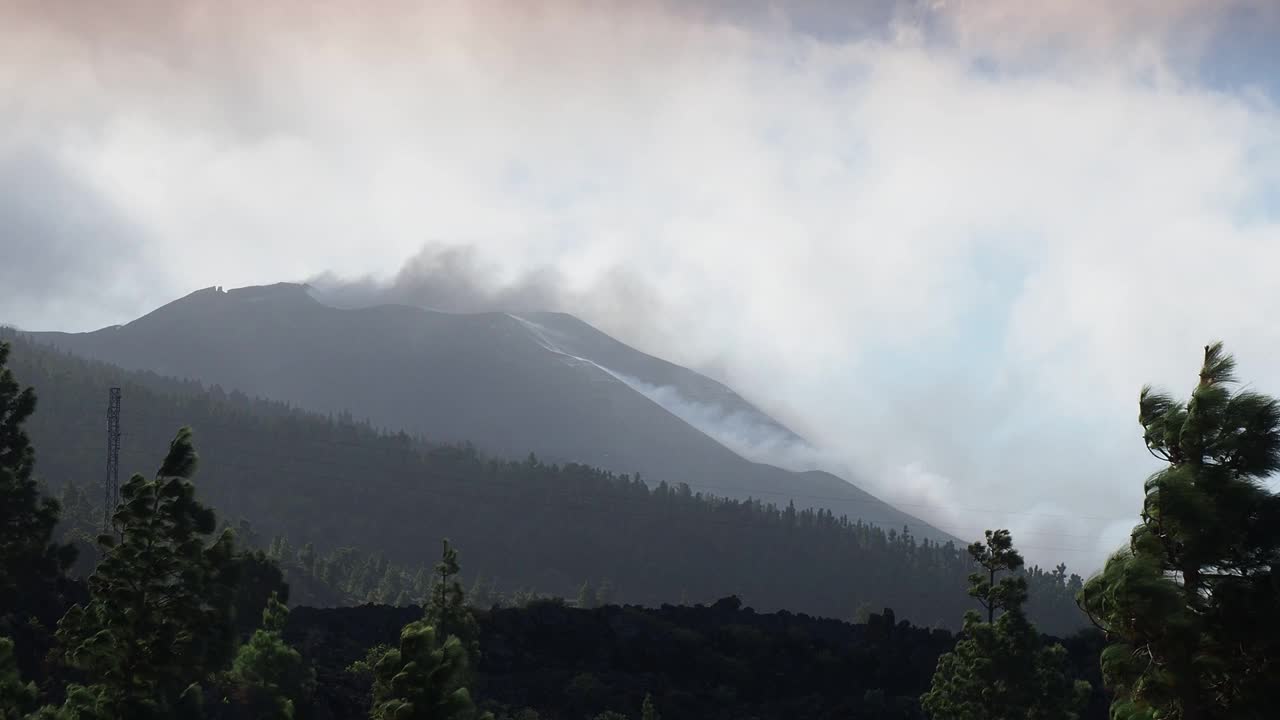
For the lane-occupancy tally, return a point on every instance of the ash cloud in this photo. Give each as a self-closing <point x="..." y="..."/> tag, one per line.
<point x="463" y="279"/>
<point x="457" y="279"/>
<point x="448" y="278"/>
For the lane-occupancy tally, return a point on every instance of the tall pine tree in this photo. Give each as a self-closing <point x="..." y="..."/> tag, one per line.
<point x="30" y="563"/>
<point x="647" y="709"/>
<point x="159" y="620"/>
<point x="447" y="609"/>
<point x="1001" y="669"/>
<point x="995" y="556"/>
<point x="1192" y="605"/>
<point x="16" y="697"/>
<point x="270" y="679"/>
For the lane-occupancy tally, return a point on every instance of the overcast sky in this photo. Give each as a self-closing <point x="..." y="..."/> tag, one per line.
<point x="947" y="241"/>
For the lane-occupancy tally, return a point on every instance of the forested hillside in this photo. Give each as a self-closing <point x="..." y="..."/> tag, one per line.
<point x="336" y="483"/>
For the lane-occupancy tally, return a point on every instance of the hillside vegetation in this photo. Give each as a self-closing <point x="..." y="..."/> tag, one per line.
<point x="336" y="483"/>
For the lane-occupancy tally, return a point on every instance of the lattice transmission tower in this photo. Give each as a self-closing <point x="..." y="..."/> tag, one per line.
<point x="112" y="496"/>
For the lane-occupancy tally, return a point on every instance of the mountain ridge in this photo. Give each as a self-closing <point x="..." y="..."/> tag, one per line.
<point x="547" y="383"/>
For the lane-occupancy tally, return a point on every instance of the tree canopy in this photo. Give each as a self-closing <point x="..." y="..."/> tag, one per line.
<point x="269" y="678"/>
<point x="1193" y="603"/>
<point x="424" y="678"/>
<point x="1001" y="669"/>
<point x="30" y="562"/>
<point x="159" y="620"/>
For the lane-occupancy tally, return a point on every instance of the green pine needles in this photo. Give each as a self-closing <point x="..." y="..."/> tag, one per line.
<point x="424" y="678"/>
<point x="30" y="563"/>
<point x="1001" y="669"/>
<point x="270" y="677"/>
<point x="159" y="620"/>
<point x="16" y="697"/>
<point x="997" y="555"/>
<point x="1192" y="605"/>
<point x="447" y="609"/>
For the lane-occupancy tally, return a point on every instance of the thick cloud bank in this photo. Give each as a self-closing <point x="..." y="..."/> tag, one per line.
<point x="946" y="241"/>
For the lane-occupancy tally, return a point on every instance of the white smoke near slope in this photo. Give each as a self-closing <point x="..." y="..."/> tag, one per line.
<point x="759" y="439"/>
<point x="748" y="434"/>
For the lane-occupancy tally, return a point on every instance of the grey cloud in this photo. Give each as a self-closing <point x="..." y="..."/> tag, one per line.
<point x="450" y="279"/>
<point x="63" y="244"/>
<point x="456" y="278"/>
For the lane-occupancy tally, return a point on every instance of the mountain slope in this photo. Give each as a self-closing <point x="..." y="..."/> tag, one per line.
<point x="543" y="382"/>
<point x="342" y="485"/>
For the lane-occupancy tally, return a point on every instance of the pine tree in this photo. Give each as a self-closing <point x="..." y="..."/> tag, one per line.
<point x="389" y="585"/>
<point x="997" y="555"/>
<point x="364" y="581"/>
<point x="363" y="668"/>
<point x="423" y="679"/>
<point x="30" y="563"/>
<point x="862" y="614"/>
<point x="16" y="697"/>
<point x="481" y="594"/>
<point x="446" y="588"/>
<point x="159" y="620"/>
<point x="78" y="515"/>
<point x="82" y="703"/>
<point x="270" y="678"/>
<point x="447" y="609"/>
<point x="258" y="579"/>
<point x="307" y="558"/>
<point x="421" y="586"/>
<point x="246" y="536"/>
<point x="604" y="594"/>
<point x="1000" y="669"/>
<point x="586" y="596"/>
<point x="647" y="710"/>
<point x="1191" y="604"/>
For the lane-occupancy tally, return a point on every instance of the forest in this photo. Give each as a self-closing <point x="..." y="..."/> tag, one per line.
<point x="372" y="505"/>
<point x="176" y="611"/>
